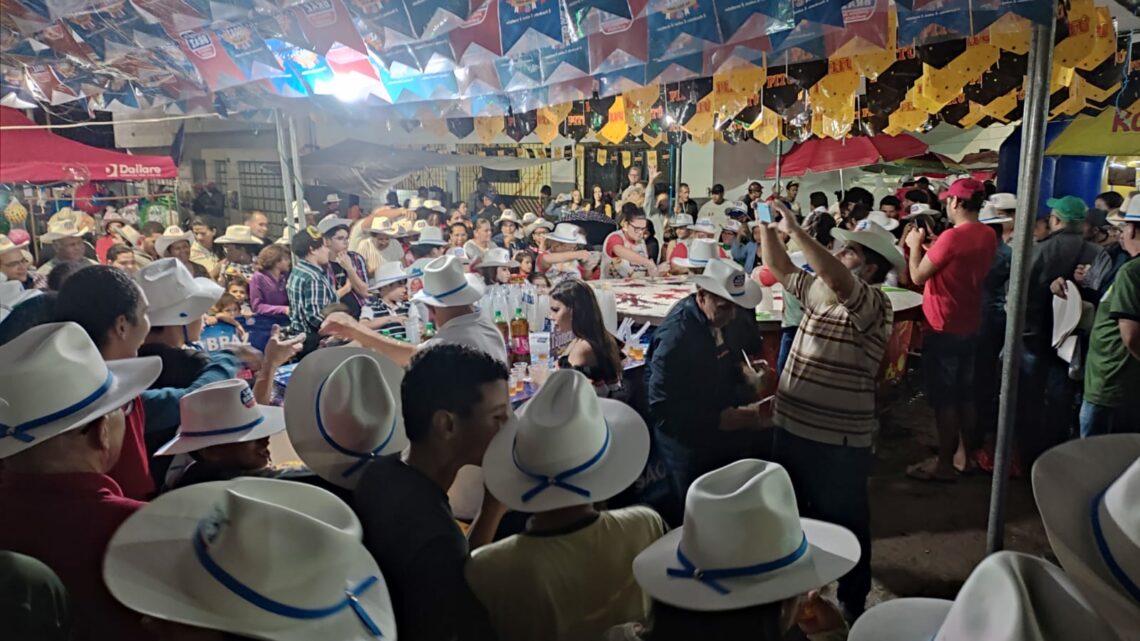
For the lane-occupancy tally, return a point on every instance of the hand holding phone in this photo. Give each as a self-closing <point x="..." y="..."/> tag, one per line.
<point x="763" y="212"/>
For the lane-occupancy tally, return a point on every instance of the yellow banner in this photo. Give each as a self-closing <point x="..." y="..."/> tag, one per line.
<point x="547" y="128"/>
<point x="488" y="127"/>
<point x="616" y="129"/>
<point x="626" y="159"/>
<point x="651" y="160"/>
<point x="602" y="157"/>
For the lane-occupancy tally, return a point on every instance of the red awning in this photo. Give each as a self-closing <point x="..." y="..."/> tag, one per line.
<point x="39" y="156"/>
<point x="827" y="154"/>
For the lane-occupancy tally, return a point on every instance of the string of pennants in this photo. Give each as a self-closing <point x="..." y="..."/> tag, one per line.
<point x="712" y="69"/>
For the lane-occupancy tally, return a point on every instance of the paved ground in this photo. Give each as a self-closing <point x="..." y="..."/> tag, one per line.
<point x="929" y="536"/>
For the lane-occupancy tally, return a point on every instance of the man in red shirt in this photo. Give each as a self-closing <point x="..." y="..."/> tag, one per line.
<point x="953" y="270"/>
<point x="61" y="431"/>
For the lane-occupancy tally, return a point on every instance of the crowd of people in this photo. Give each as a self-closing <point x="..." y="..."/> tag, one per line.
<point x="141" y="499"/>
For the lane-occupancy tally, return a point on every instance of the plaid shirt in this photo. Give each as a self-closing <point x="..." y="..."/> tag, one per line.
<point x="338" y="277"/>
<point x="310" y="291"/>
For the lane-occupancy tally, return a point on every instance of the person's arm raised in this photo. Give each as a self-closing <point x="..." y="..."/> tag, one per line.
<point x="829" y="268"/>
<point x="343" y="326"/>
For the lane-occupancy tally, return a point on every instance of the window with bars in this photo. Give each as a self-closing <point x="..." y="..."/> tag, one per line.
<point x="259" y="187"/>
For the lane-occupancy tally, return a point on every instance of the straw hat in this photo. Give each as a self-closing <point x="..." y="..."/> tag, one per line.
<point x="447" y="285"/>
<point x="6" y="244"/>
<point x="65" y="228"/>
<point x="567" y="447"/>
<point x="331" y="222"/>
<point x="919" y="209"/>
<point x="705" y="226"/>
<point x="12" y="293"/>
<point x="743" y="543"/>
<point x="509" y="216"/>
<point x="727" y="280"/>
<point x="431" y="236"/>
<point x="170" y="235"/>
<point x="54" y="380"/>
<point x="261" y="558"/>
<point x="874" y="238"/>
<point x="701" y="251"/>
<point x="112" y="216"/>
<point x="541" y="222"/>
<point x="990" y="216"/>
<point x="130" y="235"/>
<point x="680" y="221"/>
<point x="434" y="205"/>
<point x="286" y="236"/>
<point x="529" y="218"/>
<point x="1008" y="597"/>
<point x="388" y="273"/>
<point x="220" y="413"/>
<point x="416" y="269"/>
<point x="1003" y="200"/>
<point x="497" y="257"/>
<point x="238" y="235"/>
<point x="1086" y="491"/>
<point x="883" y="220"/>
<point x="176" y="298"/>
<point x="1131" y="213"/>
<point x="567" y="233"/>
<point x="332" y="199"/>
<point x="343" y="409"/>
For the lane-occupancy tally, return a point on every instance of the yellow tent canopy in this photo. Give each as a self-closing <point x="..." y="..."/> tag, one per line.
<point x="1111" y="133"/>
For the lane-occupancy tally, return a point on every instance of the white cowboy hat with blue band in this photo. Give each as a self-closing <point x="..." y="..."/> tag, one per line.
<point x="743" y="543"/>
<point x="1009" y="596"/>
<point x="701" y="251"/>
<point x="220" y="413"/>
<point x="446" y="284"/>
<point x="387" y="274"/>
<point x="567" y="447"/>
<point x="175" y="297"/>
<point x="705" y="226"/>
<point x="343" y="409"/>
<point x="1131" y="214"/>
<point x="54" y="380"/>
<point x="430" y="236"/>
<point x="990" y="215"/>
<point x="1087" y="491"/>
<point x="727" y="279"/>
<point x="261" y="558"/>
<point x="567" y="233"/>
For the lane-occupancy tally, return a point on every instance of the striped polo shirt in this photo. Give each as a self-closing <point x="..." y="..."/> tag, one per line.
<point x="827" y="390"/>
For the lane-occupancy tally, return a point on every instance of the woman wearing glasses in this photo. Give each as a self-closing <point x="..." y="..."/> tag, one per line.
<point x="625" y="254"/>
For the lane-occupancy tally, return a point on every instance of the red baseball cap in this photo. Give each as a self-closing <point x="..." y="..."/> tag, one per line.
<point x="963" y="188"/>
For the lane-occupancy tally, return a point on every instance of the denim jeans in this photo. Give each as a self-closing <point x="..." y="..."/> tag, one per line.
<point x="831" y="485"/>
<point x="1096" y="419"/>
<point x="1045" y="402"/>
<point x="787" y="336"/>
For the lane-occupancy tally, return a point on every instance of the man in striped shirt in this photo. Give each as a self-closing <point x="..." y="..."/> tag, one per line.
<point x="825" y="402"/>
<point x="309" y="289"/>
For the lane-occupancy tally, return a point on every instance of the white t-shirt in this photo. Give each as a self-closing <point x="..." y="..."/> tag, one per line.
<point x="714" y="211"/>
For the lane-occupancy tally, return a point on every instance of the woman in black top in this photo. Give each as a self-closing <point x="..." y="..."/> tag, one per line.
<point x="593" y="351"/>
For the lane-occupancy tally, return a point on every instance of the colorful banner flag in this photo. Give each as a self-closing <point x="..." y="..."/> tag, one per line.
<point x="746" y="19"/>
<point x="619" y="43"/>
<point x="562" y="63"/>
<point x="941" y="21"/>
<point x="525" y="25"/>
<point x="681" y="27"/>
<point x="431" y="18"/>
<point x="327" y="22"/>
<point x="210" y="57"/>
<point x="522" y="72"/>
<point x="478" y="40"/>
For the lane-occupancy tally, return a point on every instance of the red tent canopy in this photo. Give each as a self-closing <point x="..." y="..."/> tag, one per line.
<point x="39" y="156"/>
<point x="827" y="154"/>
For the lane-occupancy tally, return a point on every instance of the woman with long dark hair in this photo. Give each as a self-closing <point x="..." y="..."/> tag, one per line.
<point x="592" y="351"/>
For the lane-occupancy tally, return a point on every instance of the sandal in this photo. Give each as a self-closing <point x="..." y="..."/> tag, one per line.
<point x="927" y="471"/>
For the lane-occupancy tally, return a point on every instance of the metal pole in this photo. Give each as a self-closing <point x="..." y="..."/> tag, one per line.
<point x="291" y="213"/>
<point x="298" y="185"/>
<point x="1033" y="125"/>
<point x="779" y="159"/>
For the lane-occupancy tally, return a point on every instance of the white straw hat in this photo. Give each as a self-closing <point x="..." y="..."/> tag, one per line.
<point x="883" y="220"/>
<point x="1066" y="313"/>
<point x="64" y="228"/>
<point x="431" y="236"/>
<point x="567" y="233"/>
<point x="434" y="205"/>
<point x="6" y="244"/>
<point x="990" y="216"/>
<point x="12" y="293"/>
<point x="172" y="234"/>
<point x="54" y="380"/>
<point x="535" y="224"/>
<point x="130" y="235"/>
<point x="529" y="218"/>
<point x="497" y="257"/>
<point x="219" y="413"/>
<point x="705" y="226"/>
<point x="176" y="298"/>
<point x="919" y="209"/>
<point x="727" y="280"/>
<point x="1008" y="597"/>
<point x="1003" y="200"/>
<point x="388" y="273"/>
<point x="701" y="251"/>
<point x="332" y="198"/>
<point x="262" y="558"/>
<point x="567" y="447"/>
<point x="446" y="284"/>
<point x="1131" y="214"/>
<point x="343" y="409"/>
<point x="381" y="226"/>
<point x="238" y="235"/>
<point x="874" y="238"/>
<point x="112" y="216"/>
<point x="508" y="215"/>
<point x="743" y="543"/>
<point x="680" y="221"/>
<point x="731" y="226"/>
<point x="331" y="222"/>
<point x="1086" y="491"/>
